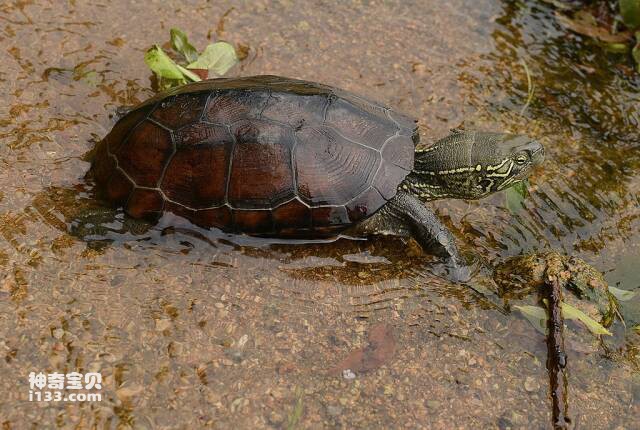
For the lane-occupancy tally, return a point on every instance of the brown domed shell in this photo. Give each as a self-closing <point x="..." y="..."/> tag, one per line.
<point x="260" y="155"/>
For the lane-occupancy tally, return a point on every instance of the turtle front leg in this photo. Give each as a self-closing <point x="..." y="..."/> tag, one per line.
<point x="405" y="215"/>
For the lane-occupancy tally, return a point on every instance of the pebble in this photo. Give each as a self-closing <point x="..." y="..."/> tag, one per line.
<point x="348" y="374"/>
<point x="163" y="324"/>
<point x="242" y="341"/>
<point x="434" y="404"/>
<point x="128" y="392"/>
<point x="334" y="410"/>
<point x="531" y="385"/>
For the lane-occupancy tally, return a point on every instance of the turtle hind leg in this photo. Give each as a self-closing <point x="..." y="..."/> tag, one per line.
<point x="405" y="215"/>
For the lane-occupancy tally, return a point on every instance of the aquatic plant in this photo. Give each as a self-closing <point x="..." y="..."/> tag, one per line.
<point x="187" y="65"/>
<point x="614" y="24"/>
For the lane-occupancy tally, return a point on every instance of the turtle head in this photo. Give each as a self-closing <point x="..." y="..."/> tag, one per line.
<point x="472" y="165"/>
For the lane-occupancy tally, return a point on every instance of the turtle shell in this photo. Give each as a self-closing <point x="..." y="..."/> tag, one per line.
<point x="260" y="155"/>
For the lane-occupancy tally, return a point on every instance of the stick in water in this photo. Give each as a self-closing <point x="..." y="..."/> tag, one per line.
<point x="556" y="356"/>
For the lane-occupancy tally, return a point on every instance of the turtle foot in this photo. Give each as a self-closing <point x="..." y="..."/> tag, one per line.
<point x="460" y="271"/>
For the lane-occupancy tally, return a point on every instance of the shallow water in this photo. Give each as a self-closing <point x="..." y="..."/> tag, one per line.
<point x="192" y="328"/>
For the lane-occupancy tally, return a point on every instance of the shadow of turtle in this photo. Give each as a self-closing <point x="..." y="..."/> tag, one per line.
<point x="80" y="213"/>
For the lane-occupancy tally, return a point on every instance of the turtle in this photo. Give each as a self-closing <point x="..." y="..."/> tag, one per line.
<point x="281" y="157"/>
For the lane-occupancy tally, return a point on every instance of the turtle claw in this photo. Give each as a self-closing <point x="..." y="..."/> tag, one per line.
<point x="453" y="271"/>
<point x="459" y="272"/>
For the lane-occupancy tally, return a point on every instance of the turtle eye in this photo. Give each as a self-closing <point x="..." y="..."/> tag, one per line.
<point x="522" y="158"/>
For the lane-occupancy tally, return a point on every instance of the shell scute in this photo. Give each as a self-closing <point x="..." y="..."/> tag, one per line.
<point x="295" y="111"/>
<point x="398" y="152"/>
<point x="255" y="221"/>
<point x="359" y="125"/>
<point x="387" y="179"/>
<point x="361" y="206"/>
<point x="200" y="132"/>
<point x="235" y="105"/>
<point x="216" y="217"/>
<point x="330" y="169"/>
<point x="121" y="130"/>
<point x="197" y="175"/>
<point x="326" y="216"/>
<point x="292" y="215"/>
<point x="145" y="203"/>
<point x="408" y="126"/>
<point x="145" y="153"/>
<point x="104" y="163"/>
<point x="118" y="187"/>
<point x="261" y="174"/>
<point x="177" y="111"/>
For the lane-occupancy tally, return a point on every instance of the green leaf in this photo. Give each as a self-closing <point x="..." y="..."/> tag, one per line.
<point x="165" y="84"/>
<point x="163" y="66"/>
<point x="617" y="48"/>
<point x="622" y="295"/>
<point x="514" y="197"/>
<point x="530" y="87"/>
<point x="536" y="315"/>
<point x="635" y="53"/>
<point x="571" y="313"/>
<point x="180" y="43"/>
<point x="217" y="57"/>
<point x="630" y="11"/>
<point x="189" y="74"/>
<point x="296" y="413"/>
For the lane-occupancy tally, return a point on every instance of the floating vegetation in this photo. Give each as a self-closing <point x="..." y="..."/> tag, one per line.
<point x="296" y="413"/>
<point x="550" y="274"/>
<point x="185" y="64"/>
<point x="615" y="25"/>
<point x="622" y="295"/>
<point x="630" y="12"/>
<point x="537" y="316"/>
<point x="515" y="196"/>
<point x="530" y="88"/>
<point x="520" y="276"/>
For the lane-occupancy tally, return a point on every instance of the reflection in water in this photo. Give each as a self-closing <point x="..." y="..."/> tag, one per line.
<point x="346" y="275"/>
<point x="366" y="270"/>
